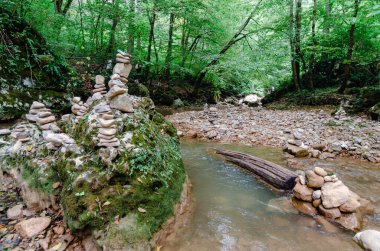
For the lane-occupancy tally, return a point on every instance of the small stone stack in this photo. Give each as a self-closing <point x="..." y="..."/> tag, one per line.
<point x="100" y="86"/>
<point x="20" y="133"/>
<point x="45" y="120"/>
<point x="107" y="127"/>
<point x="212" y="114"/>
<point x="318" y="191"/>
<point x="123" y="66"/>
<point x="79" y="108"/>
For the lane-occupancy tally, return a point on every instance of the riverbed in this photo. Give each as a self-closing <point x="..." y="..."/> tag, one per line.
<point x="232" y="211"/>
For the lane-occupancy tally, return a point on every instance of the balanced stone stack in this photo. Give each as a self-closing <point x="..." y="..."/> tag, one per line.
<point x="45" y="120"/>
<point x="100" y="86"/>
<point x="107" y="127"/>
<point x="118" y="93"/>
<point x="79" y="108"/>
<point x="212" y="114"/>
<point x="20" y="133"/>
<point x="319" y="191"/>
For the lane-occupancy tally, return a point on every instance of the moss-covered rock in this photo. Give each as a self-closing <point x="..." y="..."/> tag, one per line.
<point x="134" y="186"/>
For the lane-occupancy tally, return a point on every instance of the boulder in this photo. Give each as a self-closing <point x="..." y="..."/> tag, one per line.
<point x="352" y="221"/>
<point x="304" y="207"/>
<point x="334" y="194"/>
<point x="368" y="240"/>
<point x="374" y="111"/>
<point x="15" y="212"/>
<point x="297" y="151"/>
<point x="115" y="91"/>
<point x="31" y="227"/>
<point x="252" y="100"/>
<point x="178" y="103"/>
<point x="332" y="213"/>
<point x="303" y="192"/>
<point x="122" y="103"/>
<point x="314" y="180"/>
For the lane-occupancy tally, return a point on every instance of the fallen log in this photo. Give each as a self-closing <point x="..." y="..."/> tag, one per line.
<point x="271" y="173"/>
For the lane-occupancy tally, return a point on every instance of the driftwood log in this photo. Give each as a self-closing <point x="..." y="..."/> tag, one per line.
<point x="274" y="174"/>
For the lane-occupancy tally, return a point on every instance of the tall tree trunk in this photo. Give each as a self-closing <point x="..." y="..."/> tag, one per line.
<point x="236" y="38"/>
<point x="115" y="21"/>
<point x="152" y="21"/>
<point x="170" y="47"/>
<point x="298" y="41"/>
<point x="81" y="23"/>
<point x="292" y="46"/>
<point x="350" y="51"/>
<point x="58" y="6"/>
<point x="131" y="27"/>
<point x="326" y="29"/>
<point x="315" y="43"/>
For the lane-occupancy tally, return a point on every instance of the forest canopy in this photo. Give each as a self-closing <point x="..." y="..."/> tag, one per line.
<point x="237" y="47"/>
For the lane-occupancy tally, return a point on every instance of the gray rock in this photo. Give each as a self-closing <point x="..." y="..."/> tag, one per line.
<point x="5" y="132"/>
<point x="122" y="103"/>
<point x="15" y="212"/>
<point x="317" y="194"/>
<point x="32" y="227"/>
<point x="303" y="192"/>
<point x="334" y="194"/>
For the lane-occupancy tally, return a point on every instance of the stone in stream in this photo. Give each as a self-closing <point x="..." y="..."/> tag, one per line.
<point x="314" y="180"/>
<point x="297" y="151"/>
<point x="368" y="240"/>
<point x="303" y="192"/>
<point x="304" y="207"/>
<point x="32" y="227"/>
<point x="320" y="171"/>
<point x="350" y="206"/>
<point x="332" y="213"/>
<point x="352" y="221"/>
<point x="334" y="194"/>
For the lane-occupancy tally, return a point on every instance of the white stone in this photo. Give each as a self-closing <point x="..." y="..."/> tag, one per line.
<point x="334" y="194"/>
<point x="368" y="240"/>
<point x="15" y="212"/>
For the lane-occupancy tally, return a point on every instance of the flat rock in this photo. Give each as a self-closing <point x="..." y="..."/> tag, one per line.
<point x="122" y="69"/>
<point x="297" y="151"/>
<point x="32" y="227"/>
<point x="115" y="91"/>
<point x="350" y="206"/>
<point x="47" y="120"/>
<point x="352" y="221"/>
<point x="332" y="213"/>
<point x="107" y="131"/>
<point x="37" y="105"/>
<point x="334" y="194"/>
<point x="99" y="80"/>
<point x="5" y="132"/>
<point x="102" y="108"/>
<point x="304" y="207"/>
<point x="15" y="212"/>
<point x="303" y="192"/>
<point x="320" y="171"/>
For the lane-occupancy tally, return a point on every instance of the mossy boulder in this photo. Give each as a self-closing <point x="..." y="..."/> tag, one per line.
<point x="29" y="69"/>
<point x="374" y="112"/>
<point x="133" y="187"/>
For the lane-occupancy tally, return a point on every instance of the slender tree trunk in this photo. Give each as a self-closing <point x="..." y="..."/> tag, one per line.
<point x="131" y="27"/>
<point x="58" y="6"/>
<point x="137" y="13"/>
<point x="170" y="47"/>
<point x="236" y="38"/>
<point x="326" y="29"/>
<point x="315" y="44"/>
<point x="350" y="51"/>
<point x="298" y="41"/>
<point x="115" y="21"/>
<point x="152" y="21"/>
<point x="81" y="23"/>
<point x="292" y="47"/>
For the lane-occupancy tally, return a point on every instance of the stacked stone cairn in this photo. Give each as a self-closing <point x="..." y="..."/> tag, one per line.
<point x="118" y="92"/>
<point x="45" y="120"/>
<point x="317" y="191"/>
<point x="79" y="108"/>
<point x="20" y="133"/>
<point x="107" y="127"/>
<point x="211" y="114"/>
<point x="100" y="86"/>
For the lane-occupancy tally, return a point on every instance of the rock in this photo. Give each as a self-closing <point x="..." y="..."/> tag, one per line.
<point x="47" y="120"/>
<point x="192" y="134"/>
<point x="314" y="180"/>
<point x="122" y="103"/>
<point x="332" y="213"/>
<point x="252" y="100"/>
<point x="320" y="171"/>
<point x="374" y="112"/>
<point x="107" y="131"/>
<point x="352" y="221"/>
<point x="88" y="244"/>
<point x="115" y="91"/>
<point x="366" y="207"/>
<point x="334" y="194"/>
<point x="336" y="146"/>
<point x="5" y="132"/>
<point x="303" y="192"/>
<point x="350" y="205"/>
<point x="122" y="69"/>
<point x="297" y="151"/>
<point x="304" y="207"/>
<point x="316" y="194"/>
<point x="326" y="225"/>
<point x="99" y="80"/>
<point x="37" y="105"/>
<point x="178" y="103"/>
<point x="106" y="123"/>
<point x="368" y="240"/>
<point x="60" y="230"/>
<point x="211" y="134"/>
<point x="328" y="178"/>
<point x="32" y="227"/>
<point x="15" y="212"/>
<point x="317" y="202"/>
<point x="326" y="155"/>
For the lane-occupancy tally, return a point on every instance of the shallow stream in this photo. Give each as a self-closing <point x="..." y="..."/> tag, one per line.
<point x="232" y="211"/>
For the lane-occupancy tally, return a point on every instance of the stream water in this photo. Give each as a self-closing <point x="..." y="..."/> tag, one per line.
<point x="232" y="211"/>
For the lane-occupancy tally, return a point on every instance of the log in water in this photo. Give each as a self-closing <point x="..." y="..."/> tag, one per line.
<point x="271" y="173"/>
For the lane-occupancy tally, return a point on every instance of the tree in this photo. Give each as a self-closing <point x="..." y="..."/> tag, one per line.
<point x="292" y="46"/>
<point x="170" y="46"/>
<point x="297" y="43"/>
<point x="152" y="21"/>
<point x="131" y="27"/>
<point x="351" y="44"/>
<point x="115" y="21"/>
<point x="61" y="8"/>
<point x="315" y="44"/>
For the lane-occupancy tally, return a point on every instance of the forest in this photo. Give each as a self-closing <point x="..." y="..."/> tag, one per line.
<point x="215" y="48"/>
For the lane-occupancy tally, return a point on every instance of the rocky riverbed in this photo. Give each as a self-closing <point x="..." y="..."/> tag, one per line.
<point x="313" y="133"/>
